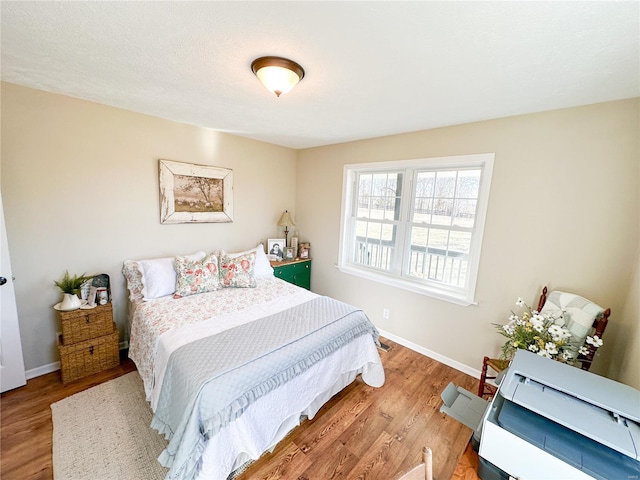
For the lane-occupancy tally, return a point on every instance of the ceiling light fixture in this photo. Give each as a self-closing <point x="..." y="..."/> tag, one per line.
<point x="277" y="74"/>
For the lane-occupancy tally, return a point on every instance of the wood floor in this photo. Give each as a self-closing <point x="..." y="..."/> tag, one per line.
<point x="362" y="433"/>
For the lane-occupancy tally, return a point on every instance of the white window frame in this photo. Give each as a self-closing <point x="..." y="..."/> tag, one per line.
<point x="462" y="295"/>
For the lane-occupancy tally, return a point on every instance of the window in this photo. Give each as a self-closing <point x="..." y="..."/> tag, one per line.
<point x="417" y="224"/>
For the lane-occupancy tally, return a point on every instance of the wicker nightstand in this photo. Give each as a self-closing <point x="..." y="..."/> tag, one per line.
<point x="88" y="343"/>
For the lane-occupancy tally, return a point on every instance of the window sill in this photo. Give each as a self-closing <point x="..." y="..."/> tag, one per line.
<point x="407" y="285"/>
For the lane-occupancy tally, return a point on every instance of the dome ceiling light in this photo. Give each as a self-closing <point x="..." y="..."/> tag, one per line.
<point x="277" y="74"/>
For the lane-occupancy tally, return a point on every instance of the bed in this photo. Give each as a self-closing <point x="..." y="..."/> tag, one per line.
<point x="233" y="358"/>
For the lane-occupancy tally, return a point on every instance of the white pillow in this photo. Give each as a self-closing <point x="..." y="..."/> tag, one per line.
<point x="262" y="267"/>
<point x="159" y="275"/>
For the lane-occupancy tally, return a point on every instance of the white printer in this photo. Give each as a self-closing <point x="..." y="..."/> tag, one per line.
<point x="549" y="420"/>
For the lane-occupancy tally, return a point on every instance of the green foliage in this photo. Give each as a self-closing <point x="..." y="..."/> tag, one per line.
<point x="69" y="284"/>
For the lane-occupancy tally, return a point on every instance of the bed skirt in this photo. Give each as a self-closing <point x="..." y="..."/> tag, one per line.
<point x="267" y="422"/>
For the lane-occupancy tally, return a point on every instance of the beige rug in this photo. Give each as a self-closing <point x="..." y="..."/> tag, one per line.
<point x="103" y="434"/>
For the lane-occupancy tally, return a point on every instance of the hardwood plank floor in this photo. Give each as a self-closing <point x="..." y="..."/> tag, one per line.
<point x="363" y="432"/>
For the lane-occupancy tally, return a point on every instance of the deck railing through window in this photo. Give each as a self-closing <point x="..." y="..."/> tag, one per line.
<point x="449" y="268"/>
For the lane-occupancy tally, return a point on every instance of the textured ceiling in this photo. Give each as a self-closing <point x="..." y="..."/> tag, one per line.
<point x="372" y="68"/>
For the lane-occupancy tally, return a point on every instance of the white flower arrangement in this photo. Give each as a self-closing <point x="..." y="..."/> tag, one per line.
<point x="543" y="334"/>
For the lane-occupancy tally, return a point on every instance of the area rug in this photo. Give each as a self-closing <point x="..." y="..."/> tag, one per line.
<point x="103" y="434"/>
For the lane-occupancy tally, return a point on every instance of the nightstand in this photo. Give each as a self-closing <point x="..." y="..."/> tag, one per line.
<point x="297" y="272"/>
<point x="88" y="343"/>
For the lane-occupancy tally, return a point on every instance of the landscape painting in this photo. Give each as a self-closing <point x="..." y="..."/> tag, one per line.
<point x="192" y="193"/>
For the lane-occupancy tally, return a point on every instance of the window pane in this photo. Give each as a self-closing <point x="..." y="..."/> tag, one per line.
<point x="375" y="244"/>
<point x="390" y="210"/>
<point x="361" y="229"/>
<point x="422" y="210"/>
<point x="423" y="197"/>
<point x="442" y="212"/>
<point x="459" y="243"/>
<point x="386" y="235"/>
<point x="468" y="184"/>
<point x="464" y="212"/>
<point x="379" y="184"/>
<point x="445" y="184"/>
<point x="436" y="254"/>
<point x="364" y="185"/>
<point x="425" y="183"/>
<point x="419" y="237"/>
<point x="438" y="240"/>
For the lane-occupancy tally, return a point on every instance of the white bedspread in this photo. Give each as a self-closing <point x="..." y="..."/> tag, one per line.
<point x="268" y="421"/>
<point x="160" y="326"/>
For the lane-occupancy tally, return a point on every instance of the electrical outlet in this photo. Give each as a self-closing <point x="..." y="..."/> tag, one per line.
<point x="385" y="313"/>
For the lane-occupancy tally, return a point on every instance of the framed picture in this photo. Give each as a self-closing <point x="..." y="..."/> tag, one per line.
<point x="275" y="247"/>
<point x="294" y="245"/>
<point x="305" y="250"/>
<point x="288" y="255"/>
<point x="195" y="193"/>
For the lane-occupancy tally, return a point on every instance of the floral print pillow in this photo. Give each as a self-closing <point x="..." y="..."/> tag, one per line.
<point x="238" y="271"/>
<point x="196" y="276"/>
<point x="134" y="280"/>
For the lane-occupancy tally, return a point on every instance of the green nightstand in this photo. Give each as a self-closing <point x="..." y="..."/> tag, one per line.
<point x="297" y="272"/>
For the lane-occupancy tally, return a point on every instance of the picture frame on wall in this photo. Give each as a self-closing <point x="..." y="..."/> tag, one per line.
<point x="192" y="193"/>
<point x="276" y="248"/>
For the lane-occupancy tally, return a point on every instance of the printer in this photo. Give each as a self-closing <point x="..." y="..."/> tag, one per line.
<point x="549" y="420"/>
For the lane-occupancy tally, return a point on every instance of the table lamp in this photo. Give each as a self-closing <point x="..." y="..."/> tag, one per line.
<point x="286" y="221"/>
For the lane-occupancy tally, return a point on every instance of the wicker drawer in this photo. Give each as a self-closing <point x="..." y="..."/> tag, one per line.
<point x="91" y="356"/>
<point x="81" y="325"/>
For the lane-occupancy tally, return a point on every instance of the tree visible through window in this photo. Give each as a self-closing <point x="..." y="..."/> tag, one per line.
<point x="378" y="213"/>
<point x="442" y="224"/>
<point x="417" y="221"/>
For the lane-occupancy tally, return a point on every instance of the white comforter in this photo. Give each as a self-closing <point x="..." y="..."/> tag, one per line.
<point x="159" y="327"/>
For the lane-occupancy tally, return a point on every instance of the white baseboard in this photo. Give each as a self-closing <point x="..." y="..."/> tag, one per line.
<point x="43" y="370"/>
<point x="52" y="367"/>
<point x="473" y="372"/>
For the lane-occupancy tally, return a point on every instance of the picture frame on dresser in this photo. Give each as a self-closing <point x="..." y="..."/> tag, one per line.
<point x="276" y="247"/>
<point x="305" y="250"/>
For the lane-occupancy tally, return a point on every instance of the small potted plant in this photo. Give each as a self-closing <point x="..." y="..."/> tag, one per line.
<point x="70" y="286"/>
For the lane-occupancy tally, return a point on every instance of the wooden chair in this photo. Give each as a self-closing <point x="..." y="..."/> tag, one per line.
<point x="496" y="365"/>
<point x="423" y="471"/>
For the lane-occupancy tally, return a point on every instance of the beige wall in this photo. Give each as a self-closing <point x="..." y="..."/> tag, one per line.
<point x="80" y="188"/>
<point x="80" y="191"/>
<point x="563" y="212"/>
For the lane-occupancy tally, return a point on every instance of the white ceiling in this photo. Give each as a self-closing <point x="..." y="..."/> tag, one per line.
<point x="372" y="68"/>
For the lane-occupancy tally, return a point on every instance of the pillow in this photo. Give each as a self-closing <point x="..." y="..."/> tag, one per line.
<point x="579" y="314"/>
<point x="132" y="274"/>
<point x="262" y="267"/>
<point x="238" y="271"/>
<point x="159" y="275"/>
<point x="196" y="276"/>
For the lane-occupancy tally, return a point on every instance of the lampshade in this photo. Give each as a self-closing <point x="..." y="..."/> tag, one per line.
<point x="286" y="220"/>
<point x="277" y="74"/>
